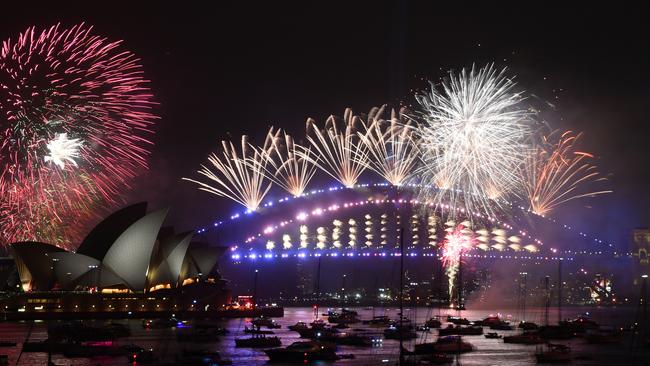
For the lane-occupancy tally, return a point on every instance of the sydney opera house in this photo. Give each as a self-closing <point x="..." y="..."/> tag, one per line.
<point x="129" y="263"/>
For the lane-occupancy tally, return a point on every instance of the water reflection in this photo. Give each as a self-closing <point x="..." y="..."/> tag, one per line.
<point x="488" y="351"/>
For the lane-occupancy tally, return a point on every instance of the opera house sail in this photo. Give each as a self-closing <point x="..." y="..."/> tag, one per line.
<point x="128" y="264"/>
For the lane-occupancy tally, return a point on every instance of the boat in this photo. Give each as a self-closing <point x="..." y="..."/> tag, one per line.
<point x="301" y="352"/>
<point x="422" y="328"/>
<point x="554" y="353"/>
<point x="317" y="332"/>
<point x="318" y="324"/>
<point x="346" y="316"/>
<point x="493" y="335"/>
<point x="580" y="324"/>
<point x="602" y="336"/>
<point x="433" y="323"/>
<point x="458" y="330"/>
<point x="525" y="338"/>
<point x="351" y="339"/>
<point x="298" y="325"/>
<point x="449" y="344"/>
<point x="257" y="331"/>
<point x="501" y="326"/>
<point x="433" y="358"/>
<point x="381" y="320"/>
<point x="161" y="323"/>
<point x="393" y="332"/>
<point x="265" y="322"/>
<point x="489" y="321"/>
<point x="457" y="320"/>
<point x="258" y="341"/>
<point x="527" y="325"/>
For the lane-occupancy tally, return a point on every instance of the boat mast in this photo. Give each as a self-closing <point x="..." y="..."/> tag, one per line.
<point x="401" y="296"/>
<point x="317" y="289"/>
<point x="255" y="290"/>
<point x="547" y="303"/>
<point x="559" y="291"/>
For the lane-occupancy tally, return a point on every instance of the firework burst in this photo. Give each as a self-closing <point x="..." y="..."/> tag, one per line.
<point x="285" y="163"/>
<point x="473" y="138"/>
<point x="338" y="152"/>
<point x="75" y="117"/>
<point x="237" y="176"/>
<point x="390" y="150"/>
<point x="457" y="242"/>
<point x="556" y="172"/>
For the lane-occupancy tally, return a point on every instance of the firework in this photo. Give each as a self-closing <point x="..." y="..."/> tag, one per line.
<point x="237" y="176"/>
<point x="473" y="138"/>
<point x="556" y="172"/>
<point x="285" y="163"/>
<point x="391" y="151"/>
<point x="338" y="152"/>
<point x="457" y="242"/>
<point x="75" y="116"/>
<point x="63" y="150"/>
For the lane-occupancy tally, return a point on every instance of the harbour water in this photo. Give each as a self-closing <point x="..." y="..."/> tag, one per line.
<point x="488" y="351"/>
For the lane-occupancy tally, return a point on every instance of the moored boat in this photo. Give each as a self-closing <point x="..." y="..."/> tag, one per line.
<point x="449" y="344"/>
<point x="458" y="330"/>
<point x="298" y="326"/>
<point x="525" y="338"/>
<point x="301" y="352"/>
<point x="258" y="342"/>
<point x="493" y="335"/>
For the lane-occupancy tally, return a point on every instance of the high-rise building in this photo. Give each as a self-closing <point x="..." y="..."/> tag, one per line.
<point x="641" y="249"/>
<point x="305" y="284"/>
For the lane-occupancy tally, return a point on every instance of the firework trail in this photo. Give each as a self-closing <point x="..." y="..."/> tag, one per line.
<point x="285" y="163"/>
<point x="473" y="138"/>
<point x="556" y="172"/>
<point x="390" y="150"/>
<point x="338" y="152"/>
<point x="75" y="118"/>
<point x="457" y="242"/>
<point x="237" y="176"/>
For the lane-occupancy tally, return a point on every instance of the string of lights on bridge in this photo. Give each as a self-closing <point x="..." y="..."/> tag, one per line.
<point x="303" y="215"/>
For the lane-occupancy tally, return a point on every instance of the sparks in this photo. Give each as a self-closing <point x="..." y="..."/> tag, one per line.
<point x="238" y="176"/>
<point x="63" y="150"/>
<point x="556" y="172"/>
<point x="391" y="151"/>
<point x="338" y="152"/>
<point x="57" y="83"/>
<point x="285" y="163"/>
<point x="457" y="242"/>
<point x="473" y="138"/>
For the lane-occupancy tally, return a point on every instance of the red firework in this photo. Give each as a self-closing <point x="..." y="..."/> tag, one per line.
<point x="67" y="82"/>
<point x="456" y="243"/>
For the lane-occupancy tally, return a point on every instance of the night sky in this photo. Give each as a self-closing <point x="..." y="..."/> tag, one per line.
<point x="220" y="72"/>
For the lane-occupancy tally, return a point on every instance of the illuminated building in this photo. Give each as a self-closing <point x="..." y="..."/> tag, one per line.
<point x="125" y="264"/>
<point x="641" y="248"/>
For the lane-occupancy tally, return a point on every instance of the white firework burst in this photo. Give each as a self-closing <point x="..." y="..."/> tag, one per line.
<point x="63" y="150"/>
<point x="235" y="177"/>
<point x="337" y="151"/>
<point x="285" y="163"/>
<point x="390" y="149"/>
<point x="474" y="138"/>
